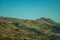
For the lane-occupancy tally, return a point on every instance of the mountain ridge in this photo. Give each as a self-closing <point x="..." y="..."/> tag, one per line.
<point x="19" y="29"/>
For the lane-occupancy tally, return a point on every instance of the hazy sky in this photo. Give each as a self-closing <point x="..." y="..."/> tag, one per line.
<point x="30" y="9"/>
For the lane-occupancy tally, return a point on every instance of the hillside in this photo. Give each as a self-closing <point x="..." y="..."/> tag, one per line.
<point x="19" y="29"/>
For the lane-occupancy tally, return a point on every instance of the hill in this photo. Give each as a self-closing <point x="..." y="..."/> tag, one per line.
<point x="19" y="29"/>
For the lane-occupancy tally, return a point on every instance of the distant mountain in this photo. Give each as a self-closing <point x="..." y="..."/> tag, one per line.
<point x="19" y="29"/>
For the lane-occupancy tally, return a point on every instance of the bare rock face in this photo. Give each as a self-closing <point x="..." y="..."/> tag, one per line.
<point x="19" y="29"/>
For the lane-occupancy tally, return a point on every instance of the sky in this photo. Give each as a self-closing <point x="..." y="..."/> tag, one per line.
<point x="30" y="9"/>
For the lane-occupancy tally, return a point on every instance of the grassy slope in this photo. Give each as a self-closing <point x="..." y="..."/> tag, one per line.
<point x="19" y="29"/>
